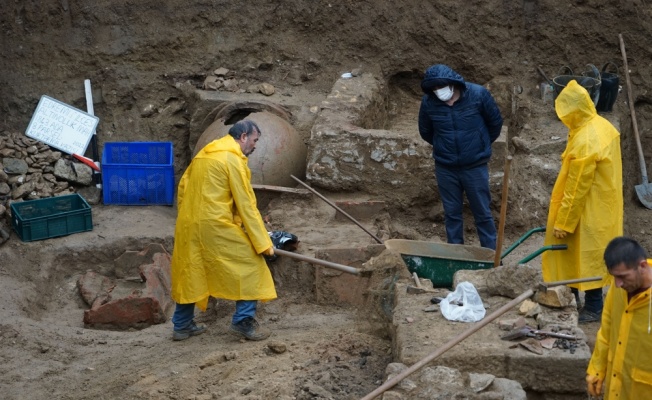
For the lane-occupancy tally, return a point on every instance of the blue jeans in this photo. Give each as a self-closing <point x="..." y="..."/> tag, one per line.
<point x="183" y="316"/>
<point x="453" y="183"/>
<point x="185" y="313"/>
<point x="244" y="309"/>
<point x="593" y="300"/>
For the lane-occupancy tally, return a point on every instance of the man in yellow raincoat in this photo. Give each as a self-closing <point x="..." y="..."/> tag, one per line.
<point x="586" y="205"/>
<point x="623" y="347"/>
<point x="220" y="237"/>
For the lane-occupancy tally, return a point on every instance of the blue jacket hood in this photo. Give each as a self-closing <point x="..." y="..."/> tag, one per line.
<point x="440" y="75"/>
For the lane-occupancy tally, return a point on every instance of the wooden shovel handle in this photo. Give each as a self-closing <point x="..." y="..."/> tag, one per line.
<point x="503" y="211"/>
<point x="630" y="98"/>
<point x="328" y="264"/>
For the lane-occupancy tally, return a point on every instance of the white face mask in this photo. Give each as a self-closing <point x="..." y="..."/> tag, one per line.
<point x="445" y="93"/>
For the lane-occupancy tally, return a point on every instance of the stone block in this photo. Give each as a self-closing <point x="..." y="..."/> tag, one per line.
<point x="563" y="318"/>
<point x="369" y="159"/>
<point x="92" y="286"/>
<point x="338" y="288"/>
<point x="529" y="308"/>
<point x="480" y="382"/>
<point x="123" y="304"/>
<point x="556" y="296"/>
<point x="512" y="390"/>
<point x="442" y="375"/>
<point x="512" y="281"/>
<point x="512" y="323"/>
<point x="556" y="371"/>
<point x="477" y="277"/>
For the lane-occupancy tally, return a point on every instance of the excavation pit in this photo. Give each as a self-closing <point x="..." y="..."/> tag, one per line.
<point x="339" y="331"/>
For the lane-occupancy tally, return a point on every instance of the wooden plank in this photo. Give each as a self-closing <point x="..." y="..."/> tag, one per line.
<point x="280" y="189"/>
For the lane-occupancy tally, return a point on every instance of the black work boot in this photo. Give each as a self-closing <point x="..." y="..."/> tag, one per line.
<point x="586" y="316"/>
<point x="192" y="330"/>
<point x="250" y="329"/>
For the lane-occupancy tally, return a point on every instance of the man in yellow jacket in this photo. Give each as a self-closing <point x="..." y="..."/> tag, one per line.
<point x="220" y="237"/>
<point x="623" y="347"/>
<point x="586" y="205"/>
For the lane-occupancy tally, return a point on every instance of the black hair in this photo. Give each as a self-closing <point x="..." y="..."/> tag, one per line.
<point x="623" y="250"/>
<point x="245" y="127"/>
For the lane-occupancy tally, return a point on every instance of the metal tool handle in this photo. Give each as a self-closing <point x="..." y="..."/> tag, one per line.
<point x="330" y="203"/>
<point x="541" y="250"/>
<point x="328" y="264"/>
<point x="556" y="335"/>
<point x="571" y="281"/>
<point x="543" y="74"/>
<point x="522" y="239"/>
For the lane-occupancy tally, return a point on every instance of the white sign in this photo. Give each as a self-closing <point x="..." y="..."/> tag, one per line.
<point x="62" y="126"/>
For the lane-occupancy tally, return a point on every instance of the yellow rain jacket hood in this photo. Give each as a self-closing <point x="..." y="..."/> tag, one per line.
<point x="587" y="199"/>
<point x="623" y="347"/>
<point x="219" y="233"/>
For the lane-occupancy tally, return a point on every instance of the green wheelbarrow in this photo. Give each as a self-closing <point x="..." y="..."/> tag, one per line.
<point x="439" y="261"/>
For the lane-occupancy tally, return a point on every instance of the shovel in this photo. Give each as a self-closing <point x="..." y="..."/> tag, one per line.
<point x="643" y="191"/>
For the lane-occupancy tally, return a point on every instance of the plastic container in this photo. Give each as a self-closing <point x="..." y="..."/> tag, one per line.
<point x="51" y="217"/>
<point x="547" y="92"/>
<point x="609" y="89"/>
<point x="138" y="173"/>
<point x="591" y="84"/>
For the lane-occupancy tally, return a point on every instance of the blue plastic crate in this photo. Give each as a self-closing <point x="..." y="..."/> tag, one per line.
<point x="138" y="173"/>
<point x="51" y="217"/>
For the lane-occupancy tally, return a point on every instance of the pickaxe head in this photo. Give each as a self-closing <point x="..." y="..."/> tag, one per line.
<point x="542" y="287"/>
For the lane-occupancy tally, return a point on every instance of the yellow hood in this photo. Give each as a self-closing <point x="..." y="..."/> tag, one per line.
<point x="574" y="106"/>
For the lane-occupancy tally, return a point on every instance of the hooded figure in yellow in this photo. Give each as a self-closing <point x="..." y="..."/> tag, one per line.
<point x="586" y="205"/>
<point x="220" y="237"/>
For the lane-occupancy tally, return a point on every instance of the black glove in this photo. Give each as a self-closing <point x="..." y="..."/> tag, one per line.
<point x="284" y="240"/>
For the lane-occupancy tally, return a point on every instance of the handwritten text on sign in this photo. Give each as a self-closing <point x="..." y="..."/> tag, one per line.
<point x="62" y="126"/>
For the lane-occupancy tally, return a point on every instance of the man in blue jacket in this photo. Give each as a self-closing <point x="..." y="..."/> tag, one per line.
<point x="460" y="120"/>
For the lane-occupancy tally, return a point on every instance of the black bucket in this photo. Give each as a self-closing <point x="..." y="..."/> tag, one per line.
<point x="591" y="84"/>
<point x="609" y="89"/>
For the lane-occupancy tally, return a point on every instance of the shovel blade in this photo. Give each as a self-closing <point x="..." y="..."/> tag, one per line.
<point x="517" y="333"/>
<point x="644" y="193"/>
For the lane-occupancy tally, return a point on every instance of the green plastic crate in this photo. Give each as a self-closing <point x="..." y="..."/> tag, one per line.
<point x="51" y="217"/>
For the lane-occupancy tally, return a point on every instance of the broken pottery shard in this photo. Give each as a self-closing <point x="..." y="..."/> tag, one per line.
<point x="548" y="343"/>
<point x="532" y="345"/>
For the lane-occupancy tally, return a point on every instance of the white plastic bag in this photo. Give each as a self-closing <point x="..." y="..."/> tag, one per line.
<point x="471" y="310"/>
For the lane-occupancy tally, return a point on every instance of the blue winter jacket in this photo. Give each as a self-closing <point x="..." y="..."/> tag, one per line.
<point x="461" y="135"/>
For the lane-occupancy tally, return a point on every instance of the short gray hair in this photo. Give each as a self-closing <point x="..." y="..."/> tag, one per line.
<point x="245" y="127"/>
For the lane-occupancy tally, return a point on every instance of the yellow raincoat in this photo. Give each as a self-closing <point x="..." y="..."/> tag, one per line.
<point x="219" y="233"/>
<point x="623" y="347"/>
<point x="587" y="199"/>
